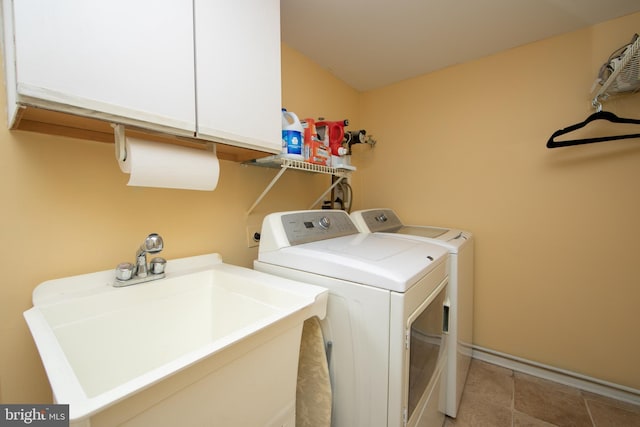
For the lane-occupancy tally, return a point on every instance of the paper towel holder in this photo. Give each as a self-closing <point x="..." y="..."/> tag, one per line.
<point x="120" y="140"/>
<point x="121" y="146"/>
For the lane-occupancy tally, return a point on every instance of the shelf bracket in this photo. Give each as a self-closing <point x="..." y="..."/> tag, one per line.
<point x="285" y="164"/>
<point x="267" y="189"/>
<point x="326" y="192"/>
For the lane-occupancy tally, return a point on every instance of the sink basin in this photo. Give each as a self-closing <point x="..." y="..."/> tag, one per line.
<point x="100" y="344"/>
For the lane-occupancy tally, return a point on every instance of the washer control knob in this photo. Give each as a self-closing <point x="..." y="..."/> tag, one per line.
<point x="381" y="218"/>
<point x="324" y="223"/>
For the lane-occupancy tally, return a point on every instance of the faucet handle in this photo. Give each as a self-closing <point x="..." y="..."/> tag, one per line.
<point x="157" y="265"/>
<point x="124" y="271"/>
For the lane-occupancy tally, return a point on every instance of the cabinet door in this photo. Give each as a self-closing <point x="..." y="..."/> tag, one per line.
<point x="131" y="59"/>
<point x="238" y="72"/>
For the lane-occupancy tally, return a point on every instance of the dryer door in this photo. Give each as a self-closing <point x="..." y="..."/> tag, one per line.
<point x="427" y="331"/>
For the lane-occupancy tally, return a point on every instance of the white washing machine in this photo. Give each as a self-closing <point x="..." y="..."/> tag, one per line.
<point x="460" y="246"/>
<point x="385" y="332"/>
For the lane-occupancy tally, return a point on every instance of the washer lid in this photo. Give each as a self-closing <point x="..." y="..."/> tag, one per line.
<point x="379" y="260"/>
<point x="384" y="220"/>
<point x="422" y="231"/>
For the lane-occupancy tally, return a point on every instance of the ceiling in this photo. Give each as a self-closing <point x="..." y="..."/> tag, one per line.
<point x="372" y="43"/>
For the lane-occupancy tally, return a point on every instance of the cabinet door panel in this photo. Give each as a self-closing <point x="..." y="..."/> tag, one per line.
<point x="238" y="72"/>
<point x="127" y="58"/>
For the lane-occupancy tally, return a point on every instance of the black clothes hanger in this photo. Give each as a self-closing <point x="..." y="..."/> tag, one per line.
<point x="600" y="115"/>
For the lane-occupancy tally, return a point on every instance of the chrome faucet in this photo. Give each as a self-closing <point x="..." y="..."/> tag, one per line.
<point x="129" y="274"/>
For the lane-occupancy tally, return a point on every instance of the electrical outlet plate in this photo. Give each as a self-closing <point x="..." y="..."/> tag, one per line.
<point x="252" y="232"/>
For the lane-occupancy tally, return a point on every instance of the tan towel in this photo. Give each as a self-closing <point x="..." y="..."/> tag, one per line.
<point x="313" y="393"/>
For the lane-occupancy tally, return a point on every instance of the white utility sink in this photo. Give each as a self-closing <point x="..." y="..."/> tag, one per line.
<point x="102" y="346"/>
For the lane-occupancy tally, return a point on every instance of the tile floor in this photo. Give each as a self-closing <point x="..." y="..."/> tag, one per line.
<point x="498" y="397"/>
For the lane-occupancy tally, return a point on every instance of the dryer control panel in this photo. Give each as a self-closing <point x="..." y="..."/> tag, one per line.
<point x="311" y="226"/>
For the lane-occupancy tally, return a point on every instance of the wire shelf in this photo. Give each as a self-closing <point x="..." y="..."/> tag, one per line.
<point x="285" y="164"/>
<point x="288" y="163"/>
<point x="624" y="72"/>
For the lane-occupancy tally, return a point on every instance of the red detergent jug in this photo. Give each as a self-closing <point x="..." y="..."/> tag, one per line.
<point x="333" y="134"/>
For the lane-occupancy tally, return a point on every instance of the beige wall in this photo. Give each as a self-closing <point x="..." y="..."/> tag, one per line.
<point x="66" y="210"/>
<point x="557" y="273"/>
<point x="557" y="258"/>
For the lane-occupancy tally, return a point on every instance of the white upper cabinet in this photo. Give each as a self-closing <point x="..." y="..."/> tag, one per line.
<point x="238" y="72"/>
<point x="203" y="68"/>
<point x="131" y="59"/>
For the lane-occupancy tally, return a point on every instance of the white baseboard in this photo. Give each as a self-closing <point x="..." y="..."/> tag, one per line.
<point x="573" y="379"/>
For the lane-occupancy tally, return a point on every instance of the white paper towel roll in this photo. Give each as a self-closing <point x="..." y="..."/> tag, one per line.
<point x="153" y="164"/>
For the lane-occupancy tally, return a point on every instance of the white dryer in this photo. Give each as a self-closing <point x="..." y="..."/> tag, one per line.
<point x="460" y="245"/>
<point x="385" y="331"/>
